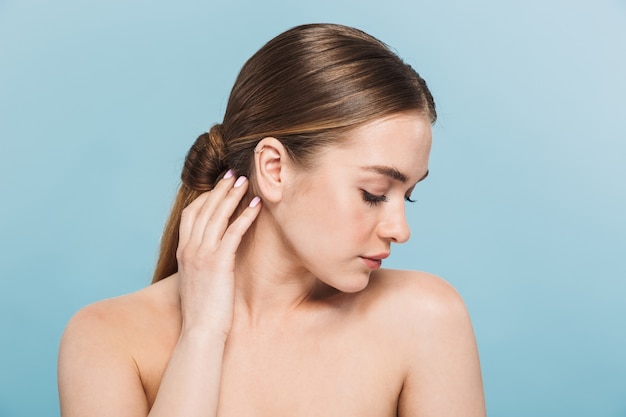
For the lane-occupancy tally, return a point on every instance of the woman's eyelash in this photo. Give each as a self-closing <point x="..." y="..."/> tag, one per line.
<point x="372" y="199"/>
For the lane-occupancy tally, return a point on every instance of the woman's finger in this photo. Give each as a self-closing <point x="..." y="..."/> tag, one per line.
<point x="233" y="235"/>
<point x="188" y="218"/>
<point x="222" y="215"/>
<point x="205" y="212"/>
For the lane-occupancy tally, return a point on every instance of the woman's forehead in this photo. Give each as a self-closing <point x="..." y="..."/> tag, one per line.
<point x="396" y="144"/>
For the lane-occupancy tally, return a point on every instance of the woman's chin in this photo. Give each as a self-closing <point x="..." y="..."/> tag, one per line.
<point x="352" y="284"/>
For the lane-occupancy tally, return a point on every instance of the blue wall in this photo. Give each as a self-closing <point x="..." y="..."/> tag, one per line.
<point x="524" y="210"/>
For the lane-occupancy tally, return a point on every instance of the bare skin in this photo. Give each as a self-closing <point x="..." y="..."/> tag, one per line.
<point x="290" y="316"/>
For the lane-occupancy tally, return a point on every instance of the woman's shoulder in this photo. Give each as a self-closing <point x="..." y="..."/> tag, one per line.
<point x="420" y="291"/>
<point x="415" y="302"/>
<point x="116" y="320"/>
<point x="109" y="347"/>
<point x="430" y="336"/>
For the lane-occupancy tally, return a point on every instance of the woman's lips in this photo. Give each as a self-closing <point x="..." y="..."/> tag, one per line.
<point x="372" y="263"/>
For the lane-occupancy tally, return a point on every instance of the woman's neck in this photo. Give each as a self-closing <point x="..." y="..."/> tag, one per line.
<point x="270" y="282"/>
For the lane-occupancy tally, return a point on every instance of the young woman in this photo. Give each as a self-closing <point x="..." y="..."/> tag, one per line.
<point x="268" y="298"/>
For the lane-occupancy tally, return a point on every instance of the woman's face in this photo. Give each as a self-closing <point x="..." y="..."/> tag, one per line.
<point x="340" y="218"/>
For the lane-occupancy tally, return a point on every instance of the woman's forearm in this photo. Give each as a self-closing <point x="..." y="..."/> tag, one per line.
<point x="191" y="384"/>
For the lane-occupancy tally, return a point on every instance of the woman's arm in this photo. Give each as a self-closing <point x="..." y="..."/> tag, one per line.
<point x="444" y="378"/>
<point x="97" y="374"/>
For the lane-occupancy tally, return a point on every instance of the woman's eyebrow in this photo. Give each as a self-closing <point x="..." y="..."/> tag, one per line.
<point x="391" y="172"/>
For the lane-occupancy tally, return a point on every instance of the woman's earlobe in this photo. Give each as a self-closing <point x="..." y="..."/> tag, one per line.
<point x="269" y="157"/>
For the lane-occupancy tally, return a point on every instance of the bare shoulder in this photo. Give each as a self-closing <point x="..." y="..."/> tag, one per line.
<point x="99" y="350"/>
<point x="433" y="337"/>
<point x="115" y="319"/>
<point x="417" y="295"/>
<point x="422" y="312"/>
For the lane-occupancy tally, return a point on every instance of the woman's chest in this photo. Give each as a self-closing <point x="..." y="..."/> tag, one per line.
<point x="310" y="375"/>
<point x="346" y="370"/>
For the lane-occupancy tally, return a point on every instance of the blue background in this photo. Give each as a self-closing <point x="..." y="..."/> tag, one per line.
<point x="524" y="210"/>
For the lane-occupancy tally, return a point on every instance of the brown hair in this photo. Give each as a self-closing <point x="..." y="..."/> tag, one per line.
<point x="305" y="87"/>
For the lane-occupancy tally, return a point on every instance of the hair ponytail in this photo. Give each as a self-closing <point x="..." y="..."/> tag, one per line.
<point x="204" y="165"/>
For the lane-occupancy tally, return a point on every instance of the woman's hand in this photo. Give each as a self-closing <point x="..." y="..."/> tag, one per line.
<point x="208" y="243"/>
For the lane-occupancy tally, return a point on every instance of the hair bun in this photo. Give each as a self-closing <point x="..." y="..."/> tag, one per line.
<point x="205" y="160"/>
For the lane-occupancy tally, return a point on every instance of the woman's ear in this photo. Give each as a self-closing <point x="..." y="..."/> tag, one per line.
<point x="270" y="165"/>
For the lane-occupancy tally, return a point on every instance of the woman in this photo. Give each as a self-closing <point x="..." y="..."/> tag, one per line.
<point x="268" y="298"/>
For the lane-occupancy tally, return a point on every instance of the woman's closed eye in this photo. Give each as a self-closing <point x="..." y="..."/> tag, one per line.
<point x="373" y="199"/>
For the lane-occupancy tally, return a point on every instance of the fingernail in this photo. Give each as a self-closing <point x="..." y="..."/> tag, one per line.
<point x="229" y="174"/>
<point x="255" y="201"/>
<point x="240" y="181"/>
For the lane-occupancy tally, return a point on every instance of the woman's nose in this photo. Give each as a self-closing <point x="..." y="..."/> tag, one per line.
<point x="394" y="226"/>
